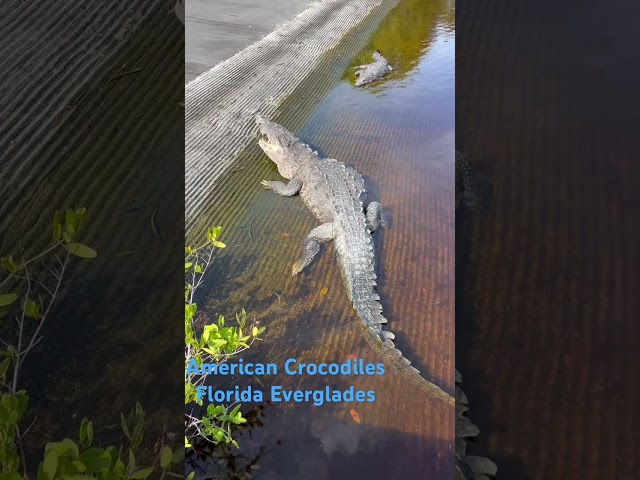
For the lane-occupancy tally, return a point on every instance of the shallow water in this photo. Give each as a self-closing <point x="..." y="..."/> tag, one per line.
<point x="399" y="134"/>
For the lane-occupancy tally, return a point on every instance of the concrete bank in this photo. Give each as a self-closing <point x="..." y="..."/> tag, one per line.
<point x="217" y="30"/>
<point x="221" y="102"/>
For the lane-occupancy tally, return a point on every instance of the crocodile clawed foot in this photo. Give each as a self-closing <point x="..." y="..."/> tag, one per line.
<point x="296" y="269"/>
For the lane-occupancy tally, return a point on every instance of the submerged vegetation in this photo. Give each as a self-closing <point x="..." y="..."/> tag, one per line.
<point x="28" y="291"/>
<point x="216" y="344"/>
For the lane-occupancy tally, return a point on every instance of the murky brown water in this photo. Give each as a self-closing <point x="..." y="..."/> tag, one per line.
<point x="400" y="135"/>
<point x="549" y="320"/>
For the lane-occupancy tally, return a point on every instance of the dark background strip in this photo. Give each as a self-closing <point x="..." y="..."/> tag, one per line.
<point x="547" y="290"/>
<point x="91" y="115"/>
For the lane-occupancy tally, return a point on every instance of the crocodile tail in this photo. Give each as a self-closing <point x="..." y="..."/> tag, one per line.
<point x="366" y="303"/>
<point x="468" y="467"/>
<point x="393" y="358"/>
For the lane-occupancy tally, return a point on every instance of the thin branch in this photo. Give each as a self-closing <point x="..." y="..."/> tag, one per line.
<point x="34" y="338"/>
<point x="18" y="358"/>
<point x="174" y="475"/>
<point x="22" y="455"/>
<point x="42" y="285"/>
<point x="31" y="346"/>
<point x="53" y="273"/>
<point x="28" y="428"/>
<point x="31" y="260"/>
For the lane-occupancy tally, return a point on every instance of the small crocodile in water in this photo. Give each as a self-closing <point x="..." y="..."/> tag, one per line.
<point x="468" y="467"/>
<point x="336" y="195"/>
<point x="373" y="71"/>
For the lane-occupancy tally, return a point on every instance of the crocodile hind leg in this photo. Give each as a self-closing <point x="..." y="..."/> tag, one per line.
<point x="317" y="236"/>
<point x="375" y="216"/>
<point x="288" y="190"/>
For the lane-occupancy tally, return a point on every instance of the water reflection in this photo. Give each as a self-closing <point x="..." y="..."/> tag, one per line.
<point x="401" y="138"/>
<point x="224" y="461"/>
<point x="404" y="35"/>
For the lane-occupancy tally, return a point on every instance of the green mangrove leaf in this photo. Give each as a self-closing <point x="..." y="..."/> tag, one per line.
<point x="31" y="309"/>
<point x="132" y="461"/>
<point x="57" y="226"/>
<point x="80" y="250"/>
<point x="86" y="432"/>
<point x="178" y="456"/>
<point x="125" y="427"/>
<point x="165" y="458"/>
<point x="4" y="368"/>
<point x="79" y="466"/>
<point x="12" y="476"/>
<point x="96" y="460"/>
<point x="50" y="464"/>
<point x="7" y="299"/>
<point x="142" y="474"/>
<point x="8" y="264"/>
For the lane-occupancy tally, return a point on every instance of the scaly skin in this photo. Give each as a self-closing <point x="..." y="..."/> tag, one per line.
<point x="468" y="467"/>
<point x="467" y="187"/>
<point x="373" y="71"/>
<point x="336" y="195"/>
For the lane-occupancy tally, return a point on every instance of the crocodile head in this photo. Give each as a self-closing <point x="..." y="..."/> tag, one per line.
<point x="277" y="143"/>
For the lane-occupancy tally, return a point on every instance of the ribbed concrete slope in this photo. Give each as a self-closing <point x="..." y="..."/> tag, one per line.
<point x="65" y="68"/>
<point x="221" y="102"/>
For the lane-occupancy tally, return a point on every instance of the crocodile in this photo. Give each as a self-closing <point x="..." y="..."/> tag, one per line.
<point x="468" y="467"/>
<point x="371" y="72"/>
<point x="336" y="195"/>
<point x="467" y="186"/>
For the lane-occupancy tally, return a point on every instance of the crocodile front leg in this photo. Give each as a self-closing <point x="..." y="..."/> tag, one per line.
<point x="318" y="235"/>
<point x="288" y="190"/>
<point x="375" y="216"/>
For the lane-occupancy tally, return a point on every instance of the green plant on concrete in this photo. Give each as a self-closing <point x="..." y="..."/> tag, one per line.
<point x="27" y="293"/>
<point x="216" y="344"/>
